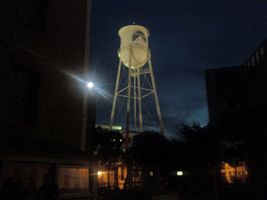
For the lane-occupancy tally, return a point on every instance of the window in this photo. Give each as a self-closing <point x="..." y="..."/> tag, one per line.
<point x="33" y="13"/>
<point x="73" y="179"/>
<point x="180" y="173"/>
<point x="24" y="85"/>
<point x="29" y="174"/>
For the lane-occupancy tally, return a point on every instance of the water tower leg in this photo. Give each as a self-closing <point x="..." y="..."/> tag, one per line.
<point x="140" y="101"/>
<point x="115" y="97"/>
<point x="134" y="76"/>
<point x="156" y="96"/>
<point x="128" y="100"/>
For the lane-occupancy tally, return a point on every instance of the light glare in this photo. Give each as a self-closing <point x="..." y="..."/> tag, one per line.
<point x="90" y="85"/>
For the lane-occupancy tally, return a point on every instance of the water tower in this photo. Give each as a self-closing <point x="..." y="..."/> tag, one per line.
<point x="135" y="64"/>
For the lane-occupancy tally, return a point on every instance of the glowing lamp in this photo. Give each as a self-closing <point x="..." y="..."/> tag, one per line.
<point x="90" y="85"/>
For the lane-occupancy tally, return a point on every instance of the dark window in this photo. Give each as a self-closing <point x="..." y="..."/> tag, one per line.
<point x="33" y="13"/>
<point x="23" y="94"/>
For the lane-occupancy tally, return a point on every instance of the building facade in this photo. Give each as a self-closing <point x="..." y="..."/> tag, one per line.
<point x="230" y="174"/>
<point x="43" y="98"/>
<point x="237" y="99"/>
<point x="224" y="87"/>
<point x="231" y="91"/>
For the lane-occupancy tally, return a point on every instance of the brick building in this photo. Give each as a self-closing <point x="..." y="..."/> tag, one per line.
<point x="43" y="99"/>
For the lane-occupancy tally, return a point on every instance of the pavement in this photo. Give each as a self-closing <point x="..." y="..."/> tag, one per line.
<point x="167" y="197"/>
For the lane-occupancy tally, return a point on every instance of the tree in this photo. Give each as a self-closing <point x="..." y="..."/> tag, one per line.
<point x="250" y="131"/>
<point x="203" y="148"/>
<point x="109" y="143"/>
<point x="150" y="150"/>
<point x="234" y="155"/>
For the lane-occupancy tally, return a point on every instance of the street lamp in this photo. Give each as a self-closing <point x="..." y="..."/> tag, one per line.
<point x="90" y="85"/>
<point x="91" y="115"/>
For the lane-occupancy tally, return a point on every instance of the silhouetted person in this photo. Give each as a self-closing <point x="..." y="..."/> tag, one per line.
<point x="7" y="189"/>
<point x="49" y="190"/>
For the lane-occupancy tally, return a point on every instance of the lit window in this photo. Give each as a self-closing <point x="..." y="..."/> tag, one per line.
<point x="180" y="173"/>
<point x="73" y="179"/>
<point x="151" y="173"/>
<point x="33" y="172"/>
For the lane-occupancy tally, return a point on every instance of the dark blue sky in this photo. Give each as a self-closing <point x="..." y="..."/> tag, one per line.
<point x="186" y="37"/>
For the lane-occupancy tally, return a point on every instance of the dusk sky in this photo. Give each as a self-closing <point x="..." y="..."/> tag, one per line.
<point x="186" y="37"/>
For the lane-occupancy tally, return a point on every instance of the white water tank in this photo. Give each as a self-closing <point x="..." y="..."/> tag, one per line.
<point x="134" y="37"/>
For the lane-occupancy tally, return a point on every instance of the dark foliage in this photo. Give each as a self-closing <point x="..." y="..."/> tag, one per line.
<point x="203" y="147"/>
<point x="150" y="149"/>
<point x="108" y="143"/>
<point x="152" y="152"/>
<point x="234" y="155"/>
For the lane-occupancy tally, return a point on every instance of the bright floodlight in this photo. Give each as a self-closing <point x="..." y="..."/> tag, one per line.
<point x="99" y="173"/>
<point x="90" y="85"/>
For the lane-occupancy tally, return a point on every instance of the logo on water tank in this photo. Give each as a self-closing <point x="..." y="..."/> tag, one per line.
<point x="139" y="36"/>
